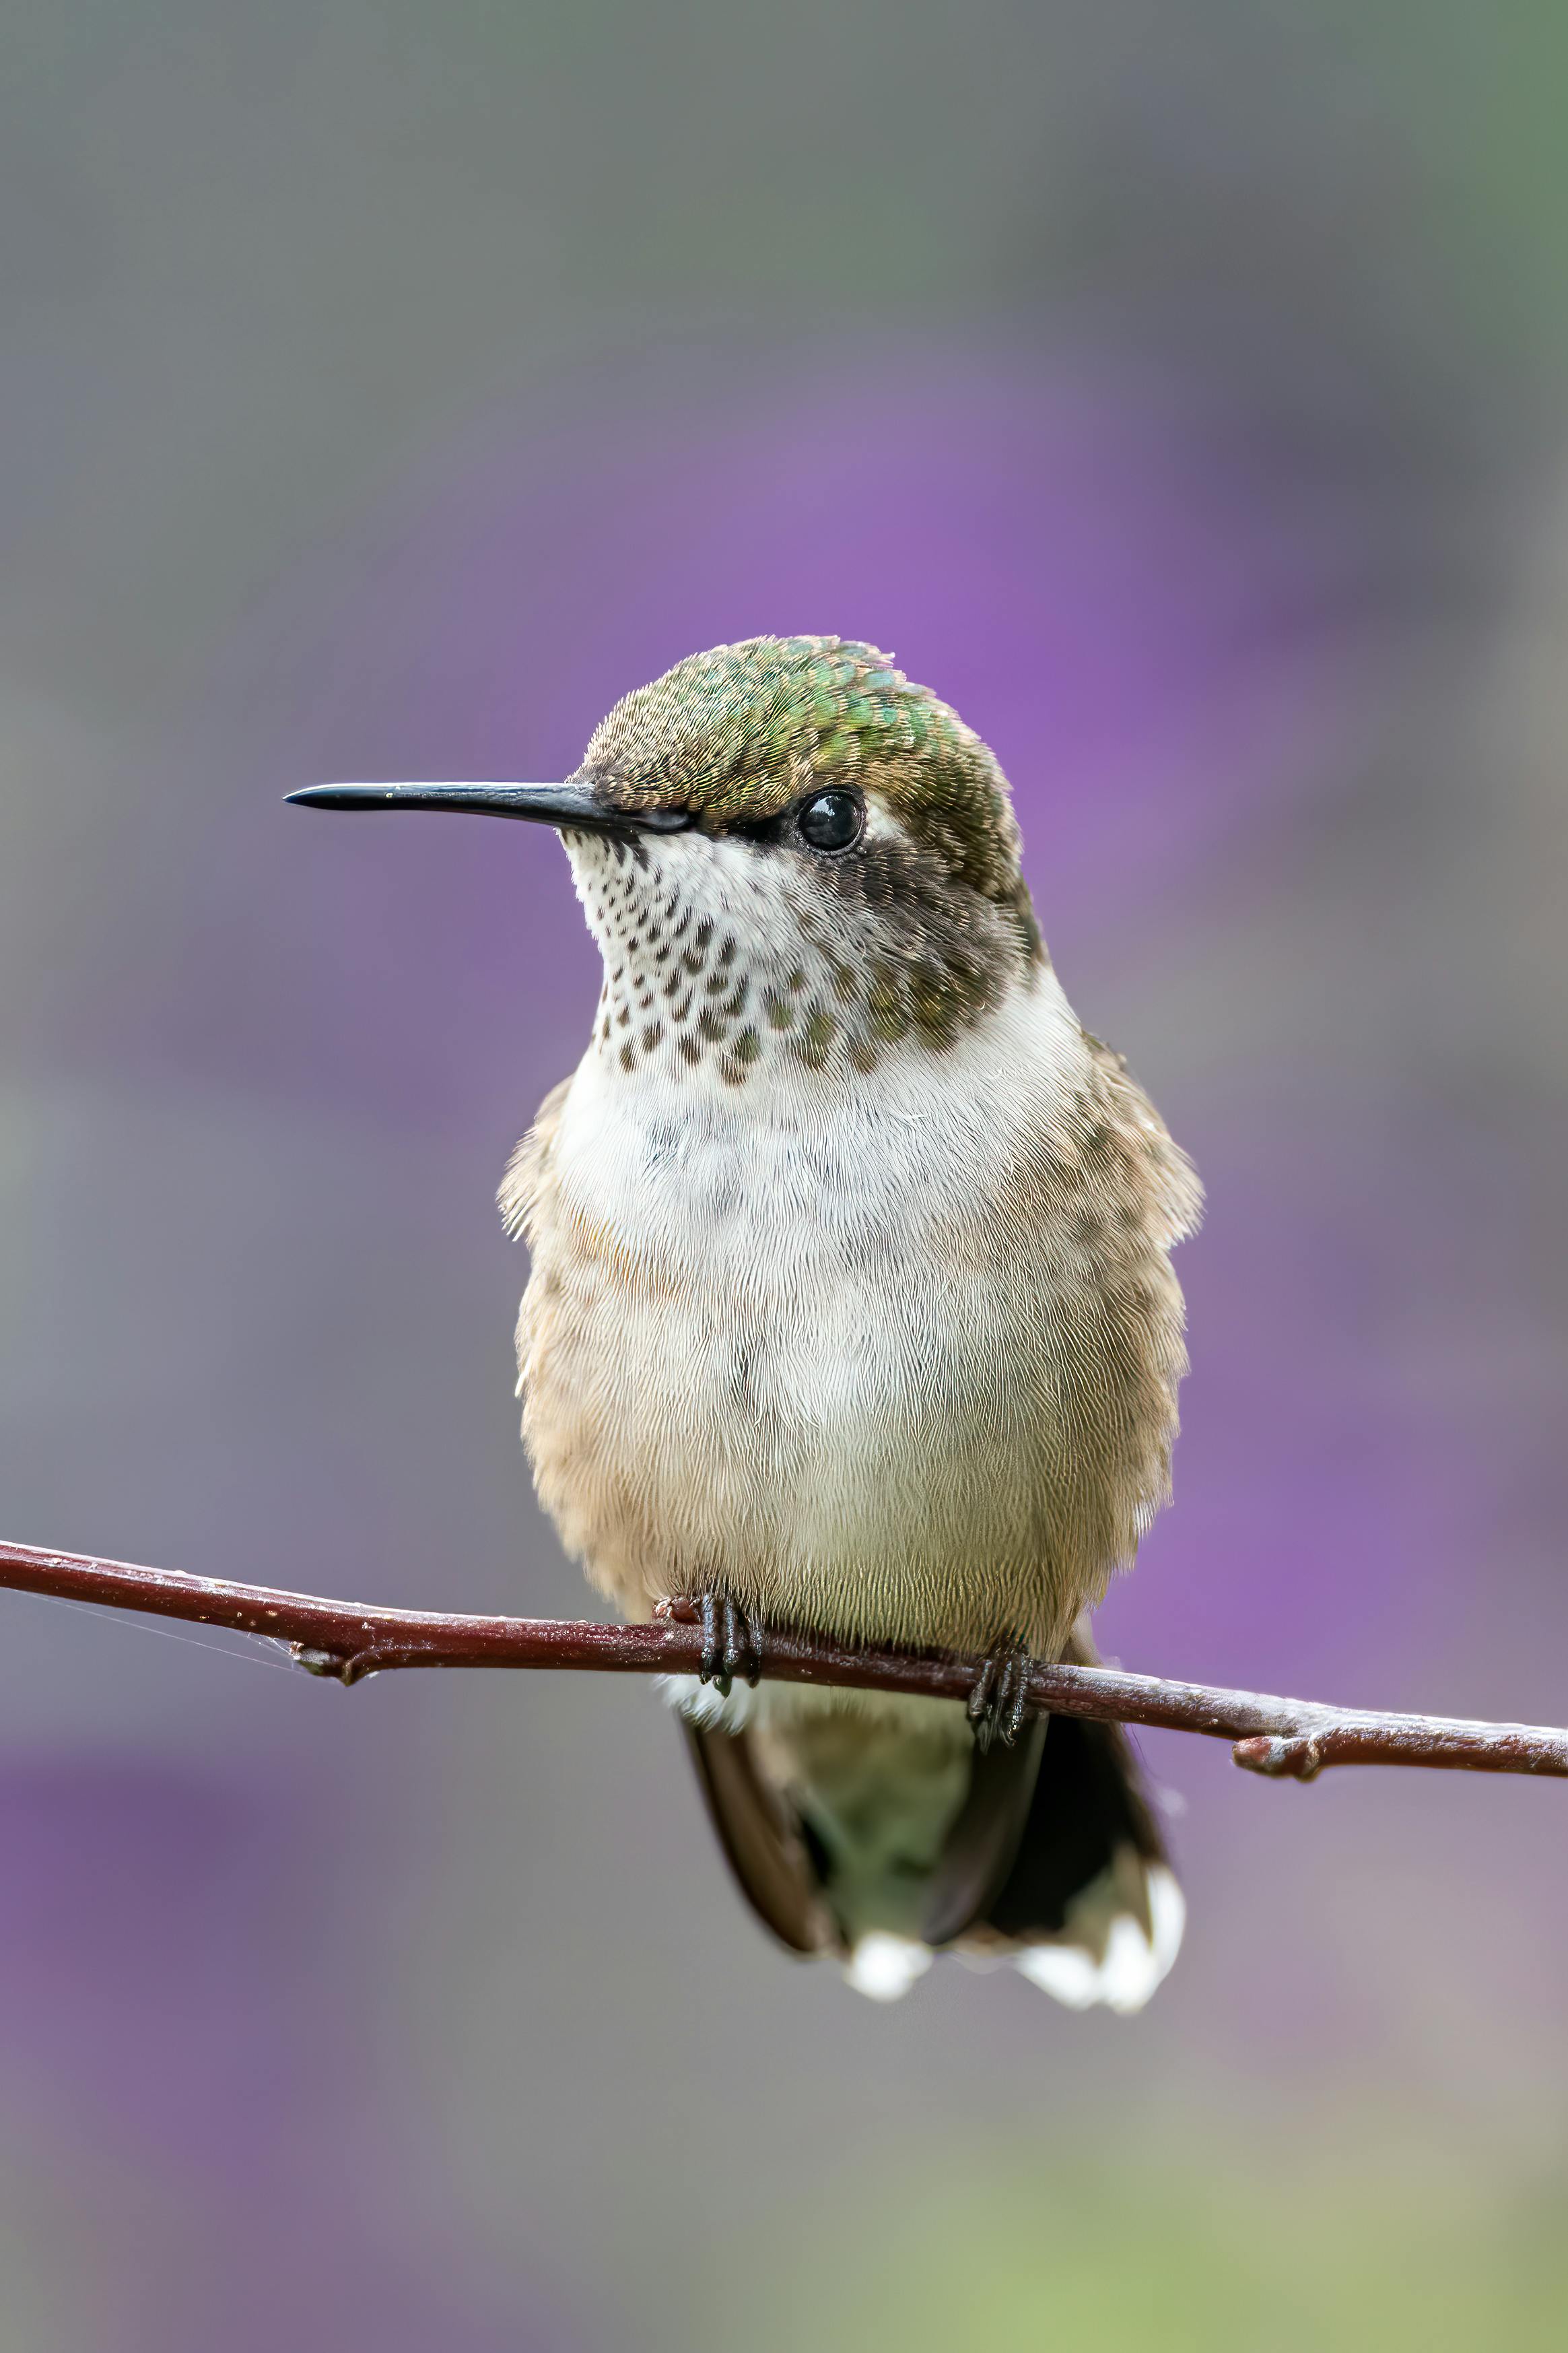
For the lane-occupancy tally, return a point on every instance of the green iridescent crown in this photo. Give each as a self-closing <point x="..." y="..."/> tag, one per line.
<point x="735" y="734"/>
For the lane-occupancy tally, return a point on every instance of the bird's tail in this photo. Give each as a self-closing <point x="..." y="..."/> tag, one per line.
<point x="887" y="1840"/>
<point x="1091" y="1908"/>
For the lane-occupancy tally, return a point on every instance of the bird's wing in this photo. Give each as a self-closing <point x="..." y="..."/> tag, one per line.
<point x="762" y="1839"/>
<point x="528" y="1171"/>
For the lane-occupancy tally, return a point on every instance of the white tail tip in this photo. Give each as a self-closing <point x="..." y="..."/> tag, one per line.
<point x="883" y="1967"/>
<point x="1130" y="1968"/>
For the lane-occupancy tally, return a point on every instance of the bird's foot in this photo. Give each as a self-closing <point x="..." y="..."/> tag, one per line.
<point x="999" y="1703"/>
<point x="732" y="1643"/>
<point x="731" y="1637"/>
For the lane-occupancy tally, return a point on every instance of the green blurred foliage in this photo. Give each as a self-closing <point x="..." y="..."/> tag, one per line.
<point x="1204" y="2250"/>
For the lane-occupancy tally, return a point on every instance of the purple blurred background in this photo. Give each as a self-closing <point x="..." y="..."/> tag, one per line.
<point x="386" y="391"/>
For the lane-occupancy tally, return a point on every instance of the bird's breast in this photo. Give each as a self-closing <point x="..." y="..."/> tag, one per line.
<point x="796" y="1346"/>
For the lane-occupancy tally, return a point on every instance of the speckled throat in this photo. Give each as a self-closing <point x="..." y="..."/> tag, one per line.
<point x="722" y="957"/>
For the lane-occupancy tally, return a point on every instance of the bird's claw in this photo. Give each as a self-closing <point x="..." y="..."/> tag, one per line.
<point x="999" y="1703"/>
<point x="732" y="1643"/>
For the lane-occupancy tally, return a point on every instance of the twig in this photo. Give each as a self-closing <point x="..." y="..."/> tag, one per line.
<point x="1284" y="1738"/>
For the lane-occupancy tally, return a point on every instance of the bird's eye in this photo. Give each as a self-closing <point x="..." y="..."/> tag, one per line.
<point x="833" y="820"/>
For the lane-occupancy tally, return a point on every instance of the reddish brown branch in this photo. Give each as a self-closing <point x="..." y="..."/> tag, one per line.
<point x="1283" y="1737"/>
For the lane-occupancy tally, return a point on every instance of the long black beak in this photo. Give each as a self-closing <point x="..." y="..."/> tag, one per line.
<point x="576" y="808"/>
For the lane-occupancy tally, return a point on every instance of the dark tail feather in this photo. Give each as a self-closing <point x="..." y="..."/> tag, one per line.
<point x="1088" y="1806"/>
<point x="981" y="1849"/>
<point x="1090" y="1908"/>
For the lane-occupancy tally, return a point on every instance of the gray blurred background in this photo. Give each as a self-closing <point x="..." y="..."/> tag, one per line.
<point x="384" y="389"/>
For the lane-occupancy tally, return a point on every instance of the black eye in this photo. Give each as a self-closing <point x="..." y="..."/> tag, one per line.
<point x="833" y="820"/>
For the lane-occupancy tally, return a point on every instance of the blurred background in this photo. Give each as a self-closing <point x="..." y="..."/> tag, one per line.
<point x="385" y="389"/>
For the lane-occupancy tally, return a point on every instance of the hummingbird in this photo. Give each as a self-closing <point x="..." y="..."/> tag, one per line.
<point x="851" y="1306"/>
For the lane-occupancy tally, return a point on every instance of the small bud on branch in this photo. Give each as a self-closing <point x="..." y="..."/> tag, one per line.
<point x="1283" y="1738"/>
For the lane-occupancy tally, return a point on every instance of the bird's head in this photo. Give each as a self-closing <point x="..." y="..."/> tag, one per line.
<point x="788" y="853"/>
